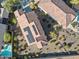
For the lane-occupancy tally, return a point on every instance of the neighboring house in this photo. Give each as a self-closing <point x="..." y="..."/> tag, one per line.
<point x="31" y="28"/>
<point x="3" y="28"/>
<point x="58" y="10"/>
<point x="2" y="31"/>
<point x="3" y="14"/>
<point x="6" y="51"/>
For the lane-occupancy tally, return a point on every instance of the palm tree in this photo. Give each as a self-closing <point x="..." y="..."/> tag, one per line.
<point x="66" y="47"/>
<point x="13" y="21"/>
<point x="15" y="50"/>
<point x="7" y="37"/>
<point x="62" y="37"/>
<point x="57" y="28"/>
<point x="33" y="5"/>
<point x="74" y="2"/>
<point x="25" y="57"/>
<point x="13" y="57"/>
<point x="53" y="35"/>
<point x="74" y="24"/>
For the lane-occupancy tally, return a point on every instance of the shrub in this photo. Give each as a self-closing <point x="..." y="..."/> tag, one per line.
<point x="7" y="37"/>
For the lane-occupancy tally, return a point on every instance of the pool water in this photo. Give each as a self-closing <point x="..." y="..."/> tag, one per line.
<point x="25" y="2"/>
<point x="27" y="9"/>
<point x="6" y="51"/>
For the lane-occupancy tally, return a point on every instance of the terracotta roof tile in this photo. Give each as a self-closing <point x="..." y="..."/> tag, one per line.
<point x="58" y="10"/>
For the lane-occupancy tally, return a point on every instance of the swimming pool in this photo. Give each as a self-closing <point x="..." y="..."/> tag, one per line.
<point x="27" y="9"/>
<point x="24" y="2"/>
<point x="6" y="51"/>
<point x="25" y="6"/>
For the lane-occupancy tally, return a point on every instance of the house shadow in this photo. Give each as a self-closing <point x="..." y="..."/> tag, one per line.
<point x="46" y="21"/>
<point x="60" y="54"/>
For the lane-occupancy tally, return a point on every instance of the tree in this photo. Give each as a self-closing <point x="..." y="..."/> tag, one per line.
<point x="15" y="38"/>
<point x="13" y="21"/>
<point x="33" y="5"/>
<point x="53" y="35"/>
<point x="7" y="37"/>
<point x="25" y="57"/>
<point x="74" y="24"/>
<point x="66" y="47"/>
<point x="74" y="2"/>
<point x="62" y="37"/>
<point x="13" y="57"/>
<point x="57" y="28"/>
<point x="8" y="4"/>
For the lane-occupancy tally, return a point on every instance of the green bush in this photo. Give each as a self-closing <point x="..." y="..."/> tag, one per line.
<point x="13" y="21"/>
<point x="53" y="35"/>
<point x="74" y="24"/>
<point x="75" y="2"/>
<point x="33" y="5"/>
<point x="7" y="37"/>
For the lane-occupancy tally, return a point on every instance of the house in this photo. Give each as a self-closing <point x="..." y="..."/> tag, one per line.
<point x="3" y="28"/>
<point x="3" y="15"/>
<point x="58" y="10"/>
<point x="5" y="49"/>
<point x="2" y="31"/>
<point x="31" y="28"/>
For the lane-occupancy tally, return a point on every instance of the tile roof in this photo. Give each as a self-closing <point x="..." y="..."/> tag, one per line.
<point x="2" y="30"/>
<point x="3" y="13"/>
<point x="63" y="6"/>
<point x="26" y="22"/>
<point x="32" y="17"/>
<point x="58" y="10"/>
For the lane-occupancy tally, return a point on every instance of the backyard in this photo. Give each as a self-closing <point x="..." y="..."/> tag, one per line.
<point x="59" y="40"/>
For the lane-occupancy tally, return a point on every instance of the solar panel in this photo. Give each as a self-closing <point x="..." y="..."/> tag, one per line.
<point x="29" y="36"/>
